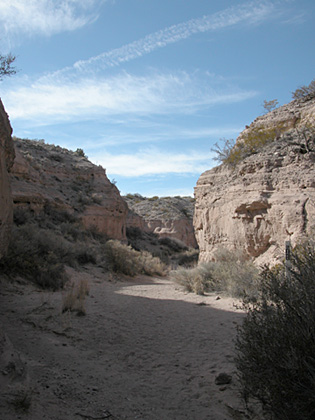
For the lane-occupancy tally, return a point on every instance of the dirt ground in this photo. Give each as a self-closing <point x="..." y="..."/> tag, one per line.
<point x="144" y="350"/>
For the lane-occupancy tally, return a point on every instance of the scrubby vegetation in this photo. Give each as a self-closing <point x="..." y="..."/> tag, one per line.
<point x="230" y="273"/>
<point x="43" y="244"/>
<point x="232" y="153"/>
<point x="276" y="343"/>
<point x="305" y="91"/>
<point x="122" y="258"/>
<point x="74" y="299"/>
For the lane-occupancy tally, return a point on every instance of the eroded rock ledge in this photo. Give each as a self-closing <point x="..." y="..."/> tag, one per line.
<point x="45" y="174"/>
<point x="267" y="197"/>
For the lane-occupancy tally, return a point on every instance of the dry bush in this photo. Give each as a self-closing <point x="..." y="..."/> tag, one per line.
<point x="231" y="273"/>
<point x="122" y="258"/>
<point x="198" y="279"/>
<point x="305" y="91"/>
<point x="38" y="255"/>
<point x="276" y="343"/>
<point x="232" y="153"/>
<point x="74" y="300"/>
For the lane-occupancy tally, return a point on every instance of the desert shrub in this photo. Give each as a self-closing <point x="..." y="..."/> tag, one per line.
<point x="231" y="273"/>
<point x="122" y="258"/>
<point x="305" y="91"/>
<point x="80" y="152"/>
<point x="74" y="299"/>
<point x="85" y="254"/>
<point x="235" y="274"/>
<point x="187" y="258"/>
<point x="37" y="255"/>
<point x="21" y="216"/>
<point x="198" y="279"/>
<point x="232" y="153"/>
<point x="173" y="243"/>
<point x="276" y="343"/>
<point x="270" y="105"/>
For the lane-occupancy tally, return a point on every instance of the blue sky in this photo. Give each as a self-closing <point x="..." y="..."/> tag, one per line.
<point x="146" y="87"/>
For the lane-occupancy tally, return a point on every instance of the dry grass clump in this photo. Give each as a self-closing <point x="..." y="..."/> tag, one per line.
<point x="231" y="273"/>
<point x="122" y="258"/>
<point x="74" y="300"/>
<point x="276" y="342"/>
<point x="198" y="279"/>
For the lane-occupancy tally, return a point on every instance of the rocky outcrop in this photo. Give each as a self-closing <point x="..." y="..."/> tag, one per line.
<point x="45" y="174"/>
<point x="6" y="162"/>
<point x="166" y="217"/>
<point x="267" y="197"/>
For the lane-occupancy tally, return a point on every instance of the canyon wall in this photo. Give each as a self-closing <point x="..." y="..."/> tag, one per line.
<point x="6" y="161"/>
<point x="164" y="216"/>
<point x="48" y="175"/>
<point x="268" y="196"/>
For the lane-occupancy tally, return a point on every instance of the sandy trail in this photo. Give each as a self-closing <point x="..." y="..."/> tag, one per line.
<point x="144" y="350"/>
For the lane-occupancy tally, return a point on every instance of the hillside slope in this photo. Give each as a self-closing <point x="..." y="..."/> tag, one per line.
<point x="48" y="175"/>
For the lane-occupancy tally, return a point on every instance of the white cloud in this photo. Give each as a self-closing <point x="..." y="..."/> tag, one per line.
<point x="45" y="17"/>
<point x="53" y="99"/>
<point x="251" y="13"/>
<point x="152" y="161"/>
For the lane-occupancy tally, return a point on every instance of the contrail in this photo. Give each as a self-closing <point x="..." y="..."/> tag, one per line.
<point x="251" y="12"/>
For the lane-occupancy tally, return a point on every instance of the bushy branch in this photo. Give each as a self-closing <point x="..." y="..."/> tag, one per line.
<point x="304" y="91"/>
<point x="6" y="68"/>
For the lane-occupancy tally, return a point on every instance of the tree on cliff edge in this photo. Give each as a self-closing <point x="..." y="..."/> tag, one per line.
<point x="6" y="68"/>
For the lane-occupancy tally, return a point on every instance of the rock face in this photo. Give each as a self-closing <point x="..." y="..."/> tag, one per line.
<point x="267" y="197"/>
<point x="166" y="216"/>
<point x="45" y="174"/>
<point x="6" y="162"/>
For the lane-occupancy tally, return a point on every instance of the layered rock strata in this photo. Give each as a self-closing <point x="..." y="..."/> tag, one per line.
<point x="45" y="174"/>
<point x="166" y="217"/>
<point x="266" y="198"/>
<point x="6" y="161"/>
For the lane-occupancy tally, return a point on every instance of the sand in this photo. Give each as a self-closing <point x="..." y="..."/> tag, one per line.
<point x="144" y="350"/>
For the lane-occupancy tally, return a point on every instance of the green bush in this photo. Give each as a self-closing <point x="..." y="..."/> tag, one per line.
<point x="276" y="343"/>
<point x="122" y="258"/>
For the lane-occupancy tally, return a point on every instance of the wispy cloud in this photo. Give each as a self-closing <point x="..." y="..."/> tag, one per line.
<point x="58" y="99"/>
<point x="152" y="161"/>
<point x="251" y="13"/>
<point x="44" y="17"/>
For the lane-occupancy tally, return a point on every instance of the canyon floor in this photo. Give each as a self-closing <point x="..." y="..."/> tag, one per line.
<point x="144" y="350"/>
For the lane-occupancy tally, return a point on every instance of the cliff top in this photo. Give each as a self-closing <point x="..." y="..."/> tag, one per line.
<point x="156" y="208"/>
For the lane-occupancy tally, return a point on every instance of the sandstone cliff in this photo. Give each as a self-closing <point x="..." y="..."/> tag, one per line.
<point x="166" y="216"/>
<point x="6" y="162"/>
<point x="45" y="174"/>
<point x="266" y="197"/>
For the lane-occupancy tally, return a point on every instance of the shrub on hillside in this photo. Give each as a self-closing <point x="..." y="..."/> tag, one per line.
<point x="276" y="342"/>
<point x="305" y="91"/>
<point x="232" y="153"/>
<point x="122" y="258"/>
